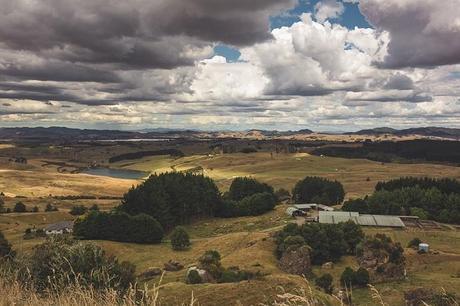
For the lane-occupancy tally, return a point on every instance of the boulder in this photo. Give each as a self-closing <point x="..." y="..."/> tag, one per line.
<point x="173" y="266"/>
<point x="296" y="261"/>
<point x="205" y="276"/>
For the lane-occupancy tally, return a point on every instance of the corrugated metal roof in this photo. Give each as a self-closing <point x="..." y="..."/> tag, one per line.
<point x="336" y="217"/>
<point x="313" y="206"/>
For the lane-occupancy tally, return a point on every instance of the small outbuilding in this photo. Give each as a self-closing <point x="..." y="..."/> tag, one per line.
<point x="423" y="247"/>
<point x="313" y="206"/>
<point x="63" y="227"/>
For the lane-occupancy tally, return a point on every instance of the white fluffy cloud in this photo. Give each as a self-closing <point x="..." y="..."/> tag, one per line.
<point x="328" y="9"/>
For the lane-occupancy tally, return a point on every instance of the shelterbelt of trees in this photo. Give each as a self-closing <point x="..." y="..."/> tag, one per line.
<point x="433" y="199"/>
<point x="387" y="151"/>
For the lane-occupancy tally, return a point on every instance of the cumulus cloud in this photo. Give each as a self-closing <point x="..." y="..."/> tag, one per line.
<point x="328" y="9"/>
<point x="144" y="63"/>
<point x="422" y="33"/>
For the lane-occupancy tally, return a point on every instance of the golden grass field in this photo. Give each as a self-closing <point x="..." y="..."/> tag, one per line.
<point x="243" y="242"/>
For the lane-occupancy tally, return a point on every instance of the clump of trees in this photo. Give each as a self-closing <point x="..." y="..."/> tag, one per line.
<point x="78" y="210"/>
<point x="173" y="198"/>
<point x="424" y="200"/>
<point x="328" y="242"/>
<point x="247" y="197"/>
<point x="318" y="190"/>
<point x="119" y="226"/>
<point x="243" y="187"/>
<point x="180" y="239"/>
<point x="414" y="243"/>
<point x="351" y="278"/>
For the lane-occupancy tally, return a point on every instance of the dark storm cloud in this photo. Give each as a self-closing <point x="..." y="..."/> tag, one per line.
<point x="400" y="82"/>
<point x="422" y="33"/>
<point x="134" y="33"/>
<point x="57" y="71"/>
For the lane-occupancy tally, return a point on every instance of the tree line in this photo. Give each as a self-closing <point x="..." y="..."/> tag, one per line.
<point x="141" y="154"/>
<point x="433" y="199"/>
<point x="387" y="151"/>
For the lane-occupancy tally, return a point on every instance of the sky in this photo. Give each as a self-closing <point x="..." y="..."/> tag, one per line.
<point x="325" y="65"/>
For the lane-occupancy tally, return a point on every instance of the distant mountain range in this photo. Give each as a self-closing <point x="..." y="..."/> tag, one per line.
<point x="70" y="134"/>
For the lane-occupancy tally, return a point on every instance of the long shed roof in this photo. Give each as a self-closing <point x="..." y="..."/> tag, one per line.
<point x="336" y="217"/>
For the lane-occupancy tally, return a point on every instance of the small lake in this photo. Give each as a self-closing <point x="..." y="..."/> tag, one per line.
<point x="116" y="173"/>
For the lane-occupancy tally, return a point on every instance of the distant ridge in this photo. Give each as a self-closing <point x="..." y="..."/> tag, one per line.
<point x="72" y="134"/>
<point x="422" y="131"/>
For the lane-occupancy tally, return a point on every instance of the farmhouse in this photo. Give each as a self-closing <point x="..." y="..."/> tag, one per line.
<point x="335" y="217"/>
<point x="63" y="227"/>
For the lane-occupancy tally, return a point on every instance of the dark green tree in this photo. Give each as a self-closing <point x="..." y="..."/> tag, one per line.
<point x="180" y="239"/>
<point x="353" y="235"/>
<point x="20" y="207"/>
<point x="243" y="187"/>
<point x="325" y="283"/>
<point x="347" y="277"/>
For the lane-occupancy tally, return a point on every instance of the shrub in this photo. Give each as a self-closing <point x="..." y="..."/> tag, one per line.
<point x="35" y="209"/>
<point x="50" y="207"/>
<point x="234" y="275"/>
<point x="180" y="239"/>
<point x="282" y="194"/>
<point x="361" y="277"/>
<point x="5" y="247"/>
<point x="243" y="187"/>
<point x="193" y="277"/>
<point x="347" y="277"/>
<point x="20" y="207"/>
<point x="318" y="190"/>
<point x="414" y="243"/>
<point x="325" y="283"/>
<point x="94" y="207"/>
<point x="59" y="263"/>
<point x="78" y="210"/>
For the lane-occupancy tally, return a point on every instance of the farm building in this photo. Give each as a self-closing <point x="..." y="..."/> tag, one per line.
<point x="63" y="227"/>
<point x="334" y="217"/>
<point x="294" y="212"/>
<point x="313" y="206"/>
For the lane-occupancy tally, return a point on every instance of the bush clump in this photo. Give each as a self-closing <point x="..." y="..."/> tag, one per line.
<point x="328" y="242"/>
<point x="118" y="226"/>
<point x="351" y="278"/>
<point x="20" y="207"/>
<point x="180" y="239"/>
<point x="78" y="210"/>
<point x="325" y="282"/>
<point x="59" y="263"/>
